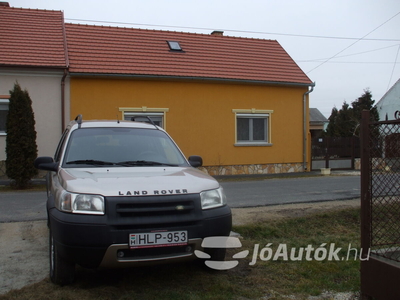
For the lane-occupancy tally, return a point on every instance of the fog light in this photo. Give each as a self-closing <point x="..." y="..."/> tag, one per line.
<point x="120" y="254"/>
<point x="188" y="249"/>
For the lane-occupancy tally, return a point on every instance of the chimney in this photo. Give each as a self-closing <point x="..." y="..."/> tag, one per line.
<point x="6" y="4"/>
<point x="217" y="33"/>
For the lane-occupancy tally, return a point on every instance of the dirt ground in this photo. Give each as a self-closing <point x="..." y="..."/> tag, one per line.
<point x="243" y="216"/>
<point x="23" y="254"/>
<point x="24" y="245"/>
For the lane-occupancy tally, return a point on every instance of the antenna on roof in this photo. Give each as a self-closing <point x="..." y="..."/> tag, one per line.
<point x="78" y="120"/>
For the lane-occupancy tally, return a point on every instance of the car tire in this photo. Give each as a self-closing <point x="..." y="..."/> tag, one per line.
<point x="62" y="272"/>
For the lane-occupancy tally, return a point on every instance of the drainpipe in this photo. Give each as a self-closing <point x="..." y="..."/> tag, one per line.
<point x="63" y="100"/>
<point x="65" y="75"/>
<point x="305" y="126"/>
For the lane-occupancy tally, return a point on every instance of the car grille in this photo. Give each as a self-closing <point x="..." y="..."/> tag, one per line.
<point x="155" y="211"/>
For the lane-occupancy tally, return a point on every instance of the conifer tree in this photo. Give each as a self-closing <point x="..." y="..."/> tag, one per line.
<point x="331" y="128"/>
<point x="365" y="102"/>
<point x="21" y="148"/>
<point x="346" y="121"/>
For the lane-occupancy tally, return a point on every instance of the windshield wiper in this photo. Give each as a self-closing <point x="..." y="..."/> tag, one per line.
<point x="130" y="163"/>
<point x="90" y="162"/>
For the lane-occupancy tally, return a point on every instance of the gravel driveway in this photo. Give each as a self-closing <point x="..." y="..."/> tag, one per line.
<point x="23" y="254"/>
<point x="24" y="245"/>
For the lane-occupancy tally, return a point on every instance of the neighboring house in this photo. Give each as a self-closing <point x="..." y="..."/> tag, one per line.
<point x="389" y="105"/>
<point x="318" y="122"/>
<point x="240" y="103"/>
<point x="33" y="54"/>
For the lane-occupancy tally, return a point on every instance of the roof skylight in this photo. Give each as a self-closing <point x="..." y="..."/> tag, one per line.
<point x="174" y="46"/>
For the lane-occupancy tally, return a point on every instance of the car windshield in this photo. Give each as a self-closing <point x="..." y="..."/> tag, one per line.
<point x="121" y="147"/>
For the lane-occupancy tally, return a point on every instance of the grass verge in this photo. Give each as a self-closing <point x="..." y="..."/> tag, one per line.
<point x="269" y="279"/>
<point x="32" y="188"/>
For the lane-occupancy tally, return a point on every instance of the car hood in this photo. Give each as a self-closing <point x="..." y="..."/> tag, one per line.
<point x="136" y="181"/>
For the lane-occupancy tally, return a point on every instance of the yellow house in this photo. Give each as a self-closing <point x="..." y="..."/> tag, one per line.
<point x="240" y="103"/>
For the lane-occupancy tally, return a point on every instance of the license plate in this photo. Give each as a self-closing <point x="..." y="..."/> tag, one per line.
<point x="158" y="239"/>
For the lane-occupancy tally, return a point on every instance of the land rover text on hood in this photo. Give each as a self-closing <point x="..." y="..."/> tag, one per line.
<point x="121" y="194"/>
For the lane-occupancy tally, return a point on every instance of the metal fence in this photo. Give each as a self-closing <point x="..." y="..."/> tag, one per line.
<point x="334" y="152"/>
<point x="384" y="188"/>
<point x="380" y="208"/>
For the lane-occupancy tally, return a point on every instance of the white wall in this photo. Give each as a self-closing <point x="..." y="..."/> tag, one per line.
<point x="44" y="88"/>
<point x="390" y="103"/>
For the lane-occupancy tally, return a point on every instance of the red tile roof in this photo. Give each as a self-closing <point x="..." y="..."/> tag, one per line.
<point x="128" y="51"/>
<point x="31" y="37"/>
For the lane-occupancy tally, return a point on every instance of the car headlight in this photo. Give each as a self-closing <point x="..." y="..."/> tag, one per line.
<point x="213" y="198"/>
<point x="80" y="203"/>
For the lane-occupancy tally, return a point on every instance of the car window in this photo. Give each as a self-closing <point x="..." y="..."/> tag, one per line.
<point x="110" y="146"/>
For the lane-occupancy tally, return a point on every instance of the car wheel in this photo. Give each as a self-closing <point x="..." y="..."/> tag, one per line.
<point x="62" y="272"/>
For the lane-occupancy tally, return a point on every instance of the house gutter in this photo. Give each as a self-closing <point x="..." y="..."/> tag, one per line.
<point x="305" y="133"/>
<point x="191" y="78"/>
<point x="65" y="75"/>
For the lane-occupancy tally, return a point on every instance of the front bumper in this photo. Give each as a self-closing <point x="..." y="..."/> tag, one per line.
<point x="113" y="257"/>
<point x="102" y="241"/>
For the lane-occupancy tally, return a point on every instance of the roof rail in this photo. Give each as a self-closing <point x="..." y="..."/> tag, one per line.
<point x="147" y="117"/>
<point x="78" y="120"/>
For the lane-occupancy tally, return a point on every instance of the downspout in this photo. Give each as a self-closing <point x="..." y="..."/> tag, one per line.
<point x="65" y="74"/>
<point x="63" y="100"/>
<point x="305" y="133"/>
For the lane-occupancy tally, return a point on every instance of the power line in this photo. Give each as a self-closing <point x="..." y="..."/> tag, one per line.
<point x="347" y="55"/>
<point x="238" y="31"/>
<point x="394" y="66"/>
<point x="362" y="38"/>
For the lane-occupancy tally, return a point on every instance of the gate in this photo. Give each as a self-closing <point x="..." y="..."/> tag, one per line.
<point x="334" y="152"/>
<point x="380" y="209"/>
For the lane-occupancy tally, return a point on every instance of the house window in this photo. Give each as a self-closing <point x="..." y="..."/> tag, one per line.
<point x="3" y="115"/>
<point x="157" y="115"/>
<point x="253" y="129"/>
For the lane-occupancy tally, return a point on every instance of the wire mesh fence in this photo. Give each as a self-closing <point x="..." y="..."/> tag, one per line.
<point x="384" y="189"/>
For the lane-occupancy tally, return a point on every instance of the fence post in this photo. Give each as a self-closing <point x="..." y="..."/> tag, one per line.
<point x="327" y="152"/>
<point x="353" y="155"/>
<point x="365" y="182"/>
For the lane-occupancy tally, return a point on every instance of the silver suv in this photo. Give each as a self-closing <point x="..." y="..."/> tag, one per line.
<point x="121" y="193"/>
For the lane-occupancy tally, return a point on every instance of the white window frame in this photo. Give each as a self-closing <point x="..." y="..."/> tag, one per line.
<point x="146" y="111"/>
<point x="252" y="114"/>
<point x="3" y="102"/>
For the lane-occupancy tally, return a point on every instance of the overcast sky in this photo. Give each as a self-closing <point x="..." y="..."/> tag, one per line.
<point x="344" y="46"/>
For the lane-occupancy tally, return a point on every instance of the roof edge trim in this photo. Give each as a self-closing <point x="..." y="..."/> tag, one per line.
<point x="191" y="78"/>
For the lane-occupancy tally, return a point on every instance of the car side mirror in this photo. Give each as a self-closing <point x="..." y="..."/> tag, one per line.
<point x="195" y="161"/>
<point x="45" y="163"/>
